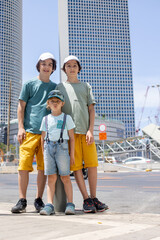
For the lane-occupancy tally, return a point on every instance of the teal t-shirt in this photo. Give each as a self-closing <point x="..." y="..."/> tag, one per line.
<point x="78" y="97"/>
<point x="35" y="93"/>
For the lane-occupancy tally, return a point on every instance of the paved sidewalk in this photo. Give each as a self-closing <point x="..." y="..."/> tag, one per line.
<point x="99" y="226"/>
<point x="104" y="167"/>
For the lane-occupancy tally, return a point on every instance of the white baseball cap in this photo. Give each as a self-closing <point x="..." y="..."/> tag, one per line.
<point x="71" y="57"/>
<point x="45" y="56"/>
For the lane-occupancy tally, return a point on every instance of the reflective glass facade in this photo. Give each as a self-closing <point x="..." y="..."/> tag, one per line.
<point x="98" y="34"/>
<point x="10" y="56"/>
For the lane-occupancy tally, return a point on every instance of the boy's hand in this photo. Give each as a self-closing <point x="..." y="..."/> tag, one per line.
<point x="89" y="137"/>
<point x="21" y="135"/>
<point x="72" y="161"/>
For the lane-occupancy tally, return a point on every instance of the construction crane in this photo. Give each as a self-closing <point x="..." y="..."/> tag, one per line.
<point x="142" y="111"/>
<point x="158" y="109"/>
<point x="139" y="123"/>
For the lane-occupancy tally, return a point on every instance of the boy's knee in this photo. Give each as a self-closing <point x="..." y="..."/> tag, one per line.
<point x="23" y="173"/>
<point x="52" y="178"/>
<point x="65" y="179"/>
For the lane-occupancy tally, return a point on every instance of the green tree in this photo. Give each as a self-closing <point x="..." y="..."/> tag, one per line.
<point x="3" y="147"/>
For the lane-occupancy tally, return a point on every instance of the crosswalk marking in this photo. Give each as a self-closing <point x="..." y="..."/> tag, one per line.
<point x="105" y="234"/>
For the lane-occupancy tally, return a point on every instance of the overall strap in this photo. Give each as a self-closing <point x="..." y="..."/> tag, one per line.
<point x="46" y="123"/>
<point x="62" y="129"/>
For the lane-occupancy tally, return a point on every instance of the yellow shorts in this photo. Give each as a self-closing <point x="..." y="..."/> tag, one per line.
<point x="31" y="146"/>
<point x="84" y="153"/>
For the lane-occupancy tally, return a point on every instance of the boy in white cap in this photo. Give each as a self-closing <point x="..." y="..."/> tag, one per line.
<point x="79" y="103"/>
<point x="31" y="110"/>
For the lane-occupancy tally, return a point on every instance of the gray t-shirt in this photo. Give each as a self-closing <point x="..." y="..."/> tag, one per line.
<point x="35" y="93"/>
<point x="78" y="97"/>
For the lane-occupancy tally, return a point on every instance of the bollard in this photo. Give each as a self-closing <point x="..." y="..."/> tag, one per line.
<point x="60" y="199"/>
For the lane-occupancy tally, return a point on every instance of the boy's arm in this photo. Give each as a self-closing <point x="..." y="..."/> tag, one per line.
<point x="43" y="134"/>
<point x="89" y="135"/>
<point x="21" y="130"/>
<point x="71" y="145"/>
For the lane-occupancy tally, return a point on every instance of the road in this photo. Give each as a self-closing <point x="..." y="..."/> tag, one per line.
<point x="123" y="192"/>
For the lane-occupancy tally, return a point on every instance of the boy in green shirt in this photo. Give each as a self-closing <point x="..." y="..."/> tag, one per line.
<point x="79" y="103"/>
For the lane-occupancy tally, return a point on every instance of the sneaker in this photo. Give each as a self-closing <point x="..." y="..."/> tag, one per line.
<point x="47" y="210"/>
<point x="99" y="205"/>
<point x="88" y="206"/>
<point x="70" y="209"/>
<point x="39" y="204"/>
<point x="20" y="207"/>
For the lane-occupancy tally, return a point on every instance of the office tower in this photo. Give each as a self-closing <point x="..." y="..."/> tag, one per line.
<point x="10" y="56"/>
<point x="97" y="32"/>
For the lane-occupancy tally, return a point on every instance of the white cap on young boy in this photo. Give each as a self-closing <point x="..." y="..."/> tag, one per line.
<point x="71" y="57"/>
<point x="45" y="56"/>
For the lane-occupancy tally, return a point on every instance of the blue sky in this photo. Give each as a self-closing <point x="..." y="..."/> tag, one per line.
<point x="40" y="34"/>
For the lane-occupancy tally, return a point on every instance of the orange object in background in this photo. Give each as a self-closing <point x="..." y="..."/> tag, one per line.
<point x="102" y="136"/>
<point x="1" y="155"/>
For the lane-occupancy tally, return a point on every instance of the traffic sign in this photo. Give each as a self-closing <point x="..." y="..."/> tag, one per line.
<point x="102" y="136"/>
<point x="102" y="127"/>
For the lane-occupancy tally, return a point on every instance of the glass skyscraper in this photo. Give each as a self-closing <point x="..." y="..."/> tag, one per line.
<point x="10" y="56"/>
<point x="97" y="32"/>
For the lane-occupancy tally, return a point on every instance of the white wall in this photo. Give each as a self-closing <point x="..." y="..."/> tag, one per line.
<point x="63" y="34"/>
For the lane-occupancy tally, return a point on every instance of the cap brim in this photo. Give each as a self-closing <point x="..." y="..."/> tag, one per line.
<point x="56" y="96"/>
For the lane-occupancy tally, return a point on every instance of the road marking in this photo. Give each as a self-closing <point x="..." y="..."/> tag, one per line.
<point x="108" y="178"/>
<point x="105" y="234"/>
<point x="112" y="186"/>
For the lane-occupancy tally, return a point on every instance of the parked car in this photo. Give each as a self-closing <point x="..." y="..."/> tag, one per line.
<point x="109" y="159"/>
<point x="137" y="160"/>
